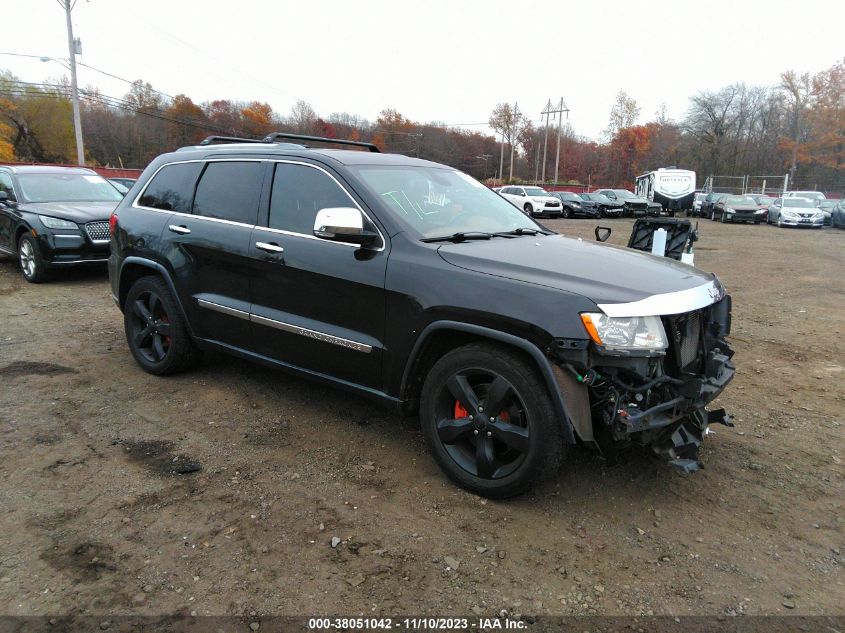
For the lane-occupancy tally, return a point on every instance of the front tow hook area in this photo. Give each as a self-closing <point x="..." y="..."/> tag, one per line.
<point x="720" y="416"/>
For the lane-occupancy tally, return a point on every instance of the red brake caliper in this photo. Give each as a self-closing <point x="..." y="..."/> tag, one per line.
<point x="460" y="412"/>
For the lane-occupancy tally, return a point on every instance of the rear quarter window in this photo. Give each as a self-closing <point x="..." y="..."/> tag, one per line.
<point x="172" y="188"/>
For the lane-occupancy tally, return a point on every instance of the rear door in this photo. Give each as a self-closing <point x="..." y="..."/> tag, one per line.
<point x="316" y="305"/>
<point x="6" y="237"/>
<point x="208" y="249"/>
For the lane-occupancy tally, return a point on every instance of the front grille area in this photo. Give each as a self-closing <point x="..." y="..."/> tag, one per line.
<point x="554" y="205"/>
<point x="685" y="334"/>
<point x="98" y="230"/>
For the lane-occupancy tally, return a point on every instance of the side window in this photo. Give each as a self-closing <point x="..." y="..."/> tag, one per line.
<point x="230" y="191"/>
<point x="298" y="193"/>
<point x="172" y="188"/>
<point x="6" y="184"/>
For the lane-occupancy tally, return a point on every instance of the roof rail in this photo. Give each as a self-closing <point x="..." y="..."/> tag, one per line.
<point x="271" y="138"/>
<point x="217" y="140"/>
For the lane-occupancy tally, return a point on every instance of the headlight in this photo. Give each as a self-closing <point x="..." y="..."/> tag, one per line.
<point x="56" y="223"/>
<point x="625" y="333"/>
<point x="790" y="214"/>
<point x="729" y="210"/>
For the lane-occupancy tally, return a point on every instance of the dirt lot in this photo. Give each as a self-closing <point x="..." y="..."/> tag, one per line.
<point x="95" y="521"/>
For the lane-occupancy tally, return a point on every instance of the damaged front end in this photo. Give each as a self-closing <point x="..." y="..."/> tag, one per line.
<point x="653" y="397"/>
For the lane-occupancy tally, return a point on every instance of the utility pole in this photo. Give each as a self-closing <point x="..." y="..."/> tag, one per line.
<point x="74" y="89"/>
<point x="485" y="158"/>
<point x="547" y="111"/>
<point x="558" y="111"/>
<point x="513" y="134"/>
<point x="561" y="109"/>
<point x="502" y="159"/>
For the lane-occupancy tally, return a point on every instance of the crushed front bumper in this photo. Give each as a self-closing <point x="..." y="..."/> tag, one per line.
<point x="659" y="400"/>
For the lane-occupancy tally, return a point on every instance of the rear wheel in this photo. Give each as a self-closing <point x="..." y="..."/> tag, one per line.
<point x="30" y="260"/>
<point x="489" y="421"/>
<point x="155" y="329"/>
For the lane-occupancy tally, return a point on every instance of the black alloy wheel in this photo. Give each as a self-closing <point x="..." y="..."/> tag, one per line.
<point x="155" y="330"/>
<point x="566" y="213"/>
<point x="489" y="421"/>
<point x="528" y="209"/>
<point x="602" y="212"/>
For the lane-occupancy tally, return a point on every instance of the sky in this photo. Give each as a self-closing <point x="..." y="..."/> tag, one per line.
<point x="449" y="61"/>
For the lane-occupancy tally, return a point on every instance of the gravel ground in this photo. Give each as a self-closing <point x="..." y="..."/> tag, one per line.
<point x="96" y="519"/>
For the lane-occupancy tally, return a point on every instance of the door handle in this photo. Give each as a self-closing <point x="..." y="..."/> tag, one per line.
<point x="269" y="247"/>
<point x="181" y="230"/>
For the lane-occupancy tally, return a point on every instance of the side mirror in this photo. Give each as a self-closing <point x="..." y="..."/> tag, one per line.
<point x="4" y="197"/>
<point x="343" y="224"/>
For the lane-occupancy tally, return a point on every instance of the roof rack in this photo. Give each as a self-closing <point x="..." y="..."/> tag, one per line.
<point x="271" y="138"/>
<point x="216" y="140"/>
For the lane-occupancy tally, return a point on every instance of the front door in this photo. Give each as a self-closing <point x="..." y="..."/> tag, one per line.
<point x="6" y="237"/>
<point x="316" y="305"/>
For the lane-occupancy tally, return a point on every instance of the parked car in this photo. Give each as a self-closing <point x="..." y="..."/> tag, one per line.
<point x="763" y="202"/>
<point x="573" y="206"/>
<point x="535" y="201"/>
<point x="837" y="214"/>
<point x="826" y="207"/>
<point x="510" y="341"/>
<point x="606" y="207"/>
<point x="796" y="212"/>
<point x="737" y="209"/>
<point x="632" y="205"/>
<point x="126" y="182"/>
<point x="708" y="205"/>
<point x="54" y="217"/>
<point x="815" y="196"/>
<point x="123" y="189"/>
<point x="696" y="203"/>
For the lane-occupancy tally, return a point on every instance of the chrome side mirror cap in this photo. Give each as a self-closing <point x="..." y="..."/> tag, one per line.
<point x="343" y="224"/>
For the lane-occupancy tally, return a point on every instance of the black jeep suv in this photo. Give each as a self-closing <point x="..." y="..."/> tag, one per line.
<point x="54" y="217"/>
<point x="410" y="282"/>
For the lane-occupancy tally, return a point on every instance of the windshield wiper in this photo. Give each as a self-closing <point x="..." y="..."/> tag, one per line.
<point x="522" y="231"/>
<point x="461" y="236"/>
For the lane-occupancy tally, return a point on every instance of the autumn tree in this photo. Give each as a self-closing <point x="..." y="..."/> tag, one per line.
<point x="257" y="119"/>
<point x="187" y="122"/>
<point x="302" y="117"/>
<point x="624" y="113"/>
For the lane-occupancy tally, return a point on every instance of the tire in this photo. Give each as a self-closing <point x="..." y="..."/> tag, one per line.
<point x="780" y="224"/>
<point x="495" y="459"/>
<point x="155" y="329"/>
<point x="566" y="213"/>
<point x="602" y="212"/>
<point x="723" y="218"/>
<point x="529" y="210"/>
<point x="713" y="215"/>
<point x="30" y="261"/>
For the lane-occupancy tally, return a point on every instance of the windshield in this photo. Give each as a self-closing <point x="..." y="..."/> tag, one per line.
<point x="435" y="202"/>
<point x="739" y="200"/>
<point x="798" y="202"/>
<point x="60" y="187"/>
<point x="624" y="194"/>
<point x="812" y="195"/>
<point x="536" y="191"/>
<point x="565" y="195"/>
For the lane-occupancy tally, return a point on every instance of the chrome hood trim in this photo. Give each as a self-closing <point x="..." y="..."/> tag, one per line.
<point x="669" y="303"/>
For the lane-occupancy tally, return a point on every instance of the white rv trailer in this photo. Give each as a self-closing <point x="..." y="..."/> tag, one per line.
<point x="673" y="189"/>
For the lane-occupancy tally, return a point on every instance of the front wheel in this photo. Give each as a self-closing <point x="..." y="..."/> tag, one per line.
<point x="489" y="422"/>
<point x="566" y="213"/>
<point x="155" y="329"/>
<point x="30" y="260"/>
<point x="528" y="209"/>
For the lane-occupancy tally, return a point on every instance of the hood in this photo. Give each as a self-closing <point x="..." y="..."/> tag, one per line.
<point x="742" y="207"/>
<point x="601" y="272"/>
<point x="80" y="212"/>
<point x="544" y="199"/>
<point x="635" y="200"/>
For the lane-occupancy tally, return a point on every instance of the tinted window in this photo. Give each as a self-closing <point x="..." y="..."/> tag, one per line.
<point x="172" y="188"/>
<point x="298" y="193"/>
<point x="229" y="191"/>
<point x="6" y="184"/>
